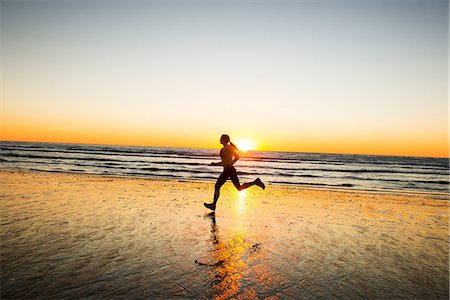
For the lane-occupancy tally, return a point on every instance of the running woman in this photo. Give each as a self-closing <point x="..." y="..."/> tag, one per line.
<point x="229" y="156"/>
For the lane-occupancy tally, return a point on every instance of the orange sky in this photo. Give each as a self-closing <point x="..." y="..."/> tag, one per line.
<point x="413" y="144"/>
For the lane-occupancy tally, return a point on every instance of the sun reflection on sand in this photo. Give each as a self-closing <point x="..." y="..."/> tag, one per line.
<point x="228" y="265"/>
<point x="241" y="205"/>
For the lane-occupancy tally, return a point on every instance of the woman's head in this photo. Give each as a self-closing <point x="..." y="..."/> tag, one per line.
<point x="224" y="139"/>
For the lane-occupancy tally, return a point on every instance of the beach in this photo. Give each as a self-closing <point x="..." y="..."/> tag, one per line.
<point x="75" y="235"/>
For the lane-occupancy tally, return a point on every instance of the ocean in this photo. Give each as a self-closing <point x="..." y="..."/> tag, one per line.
<point x="362" y="172"/>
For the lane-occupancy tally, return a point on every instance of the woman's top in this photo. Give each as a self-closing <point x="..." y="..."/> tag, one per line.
<point x="227" y="155"/>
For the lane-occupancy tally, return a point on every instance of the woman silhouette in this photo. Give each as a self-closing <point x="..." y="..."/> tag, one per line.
<point x="229" y="156"/>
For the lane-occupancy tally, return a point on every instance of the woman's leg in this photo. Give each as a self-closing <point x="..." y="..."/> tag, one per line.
<point x="236" y="183"/>
<point x="220" y="181"/>
<point x="231" y="173"/>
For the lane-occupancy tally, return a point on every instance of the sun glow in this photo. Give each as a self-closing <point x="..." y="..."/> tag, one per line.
<point x="245" y="144"/>
<point x="241" y="203"/>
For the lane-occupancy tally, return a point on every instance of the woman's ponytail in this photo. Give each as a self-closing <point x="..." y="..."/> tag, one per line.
<point x="225" y="139"/>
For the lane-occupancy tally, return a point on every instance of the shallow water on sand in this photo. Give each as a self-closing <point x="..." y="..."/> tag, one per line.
<point x="90" y="236"/>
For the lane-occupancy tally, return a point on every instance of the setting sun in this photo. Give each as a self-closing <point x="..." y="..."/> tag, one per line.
<point x="245" y="144"/>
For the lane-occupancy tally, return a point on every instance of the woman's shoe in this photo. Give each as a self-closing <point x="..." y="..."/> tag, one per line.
<point x="259" y="183"/>
<point x="211" y="206"/>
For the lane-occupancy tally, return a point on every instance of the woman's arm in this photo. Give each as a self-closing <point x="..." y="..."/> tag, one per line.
<point x="218" y="163"/>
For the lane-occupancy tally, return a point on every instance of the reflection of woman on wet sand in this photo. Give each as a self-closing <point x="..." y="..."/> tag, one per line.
<point x="227" y="265"/>
<point x="229" y="156"/>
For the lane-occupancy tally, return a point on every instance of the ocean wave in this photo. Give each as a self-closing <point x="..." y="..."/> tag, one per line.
<point x="145" y="153"/>
<point x="402" y="171"/>
<point x="121" y="160"/>
<point x="273" y="157"/>
<point x="93" y="159"/>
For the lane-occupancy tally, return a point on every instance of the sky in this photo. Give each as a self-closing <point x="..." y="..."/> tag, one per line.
<point x="362" y="77"/>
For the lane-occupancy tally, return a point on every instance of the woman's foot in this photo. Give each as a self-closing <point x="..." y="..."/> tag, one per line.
<point x="259" y="183"/>
<point x="211" y="206"/>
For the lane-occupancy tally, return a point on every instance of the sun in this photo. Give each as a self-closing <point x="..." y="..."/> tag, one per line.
<point x="245" y="144"/>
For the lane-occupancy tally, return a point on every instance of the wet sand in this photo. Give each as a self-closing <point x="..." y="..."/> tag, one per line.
<point x="73" y="235"/>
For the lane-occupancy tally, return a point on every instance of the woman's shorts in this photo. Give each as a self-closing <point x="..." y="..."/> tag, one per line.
<point x="228" y="172"/>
